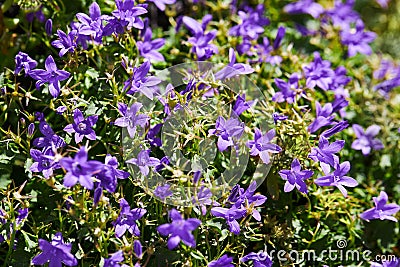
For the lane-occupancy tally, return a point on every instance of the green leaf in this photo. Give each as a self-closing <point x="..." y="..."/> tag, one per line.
<point x="225" y="234"/>
<point x="29" y="243"/>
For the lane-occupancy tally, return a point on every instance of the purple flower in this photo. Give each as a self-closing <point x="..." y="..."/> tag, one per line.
<point x="338" y="127"/>
<point x="366" y="141"/>
<point x="227" y="132"/>
<point x="56" y="252"/>
<point x="44" y="162"/>
<point x="260" y="259"/>
<point x="163" y="162"/>
<point x="31" y="128"/>
<point x="264" y="53"/>
<point x="138" y="249"/>
<point x="82" y="127"/>
<point x="152" y="135"/>
<point x="23" y="61"/>
<point x="131" y="119"/>
<point x="144" y="161"/>
<point x="61" y="109"/>
<point x="381" y="211"/>
<point x="295" y="177"/>
<point x="203" y="199"/>
<point x="50" y="139"/>
<point x="262" y="146"/>
<point x="179" y="230"/>
<point x="108" y="176"/>
<point x="287" y="89"/>
<point x="161" y="3"/>
<point x="49" y="27"/>
<point x="278" y="117"/>
<point x="127" y="219"/>
<point x="241" y="105"/>
<point x="233" y="68"/>
<point x="230" y="215"/>
<point x="386" y="86"/>
<point x="304" y="7"/>
<point x="387" y="263"/>
<point x="383" y="3"/>
<point x="125" y="17"/>
<point x="324" y="117"/>
<point x="148" y="47"/>
<point x="36" y="14"/>
<point x="337" y="177"/>
<point x="138" y="82"/>
<point x="279" y="37"/>
<point x="319" y="73"/>
<point x="67" y="43"/>
<point x="201" y="40"/>
<point x="384" y="68"/>
<point x="114" y="260"/>
<point x="90" y="27"/>
<point x="79" y="169"/>
<point x="224" y="261"/>
<point x="163" y="191"/>
<point x="357" y="40"/>
<point x="249" y="201"/>
<point x="325" y="152"/>
<point x="51" y="75"/>
<point x="22" y="215"/>
<point x="343" y="14"/>
<point x="252" y="23"/>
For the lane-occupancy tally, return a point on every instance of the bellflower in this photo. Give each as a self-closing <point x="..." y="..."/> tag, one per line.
<point x="264" y="53"/>
<point x="91" y="25"/>
<point x="262" y="146"/>
<point x="138" y="82"/>
<point x="325" y="152"/>
<point x="36" y="14"/>
<point x="324" y="117"/>
<point x="260" y="259"/>
<point x="203" y="199"/>
<point x="82" y="127"/>
<point x="386" y="86"/>
<point x="44" y="162"/>
<point x="152" y="135"/>
<point x="79" y="169"/>
<point x="51" y="75"/>
<point x="162" y="3"/>
<point x="137" y="249"/>
<point x="381" y="211"/>
<point x="319" y="73"/>
<point x="304" y="7"/>
<point x="108" y="176"/>
<point x="233" y="68"/>
<point x="224" y="261"/>
<point x="127" y="218"/>
<point x="357" y="40"/>
<point x="163" y="191"/>
<point x="295" y="177"/>
<point x="49" y="27"/>
<point x="337" y="178"/>
<point x="49" y="139"/>
<point x="384" y="67"/>
<point x="144" y="161"/>
<point x="249" y="201"/>
<point x="227" y="131"/>
<point x="343" y="14"/>
<point x="278" y="117"/>
<point x="24" y="61"/>
<point x="241" y="105"/>
<point x="56" y="252"/>
<point x="131" y="119"/>
<point x="115" y="259"/>
<point x="287" y="89"/>
<point x="231" y="216"/>
<point x="148" y="47"/>
<point x="366" y="140"/>
<point x="67" y="43"/>
<point x="338" y="127"/>
<point x="22" y="215"/>
<point x="179" y="230"/>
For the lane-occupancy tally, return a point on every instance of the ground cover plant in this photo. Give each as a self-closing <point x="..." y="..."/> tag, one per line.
<point x="199" y="133"/>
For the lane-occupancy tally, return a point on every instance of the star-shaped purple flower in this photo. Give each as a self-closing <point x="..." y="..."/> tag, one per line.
<point x="325" y="152"/>
<point x="138" y="82"/>
<point x="323" y="118"/>
<point x="381" y="211"/>
<point x="179" y="230"/>
<point x="24" y="61"/>
<point x="357" y="40"/>
<point x="287" y="89"/>
<point x="56" y="252"/>
<point x="127" y="218"/>
<point x="51" y="75"/>
<point x="131" y="119"/>
<point x="82" y="127"/>
<point x="44" y="162"/>
<point x="233" y="68"/>
<point x="231" y="216"/>
<point x="162" y="3"/>
<point x="49" y="139"/>
<point x="262" y="146"/>
<point x="148" y="47"/>
<point x="304" y="7"/>
<point x="295" y="177"/>
<point x="366" y="140"/>
<point x="144" y="161"/>
<point x="319" y="73"/>
<point x="224" y="261"/>
<point x="228" y="131"/>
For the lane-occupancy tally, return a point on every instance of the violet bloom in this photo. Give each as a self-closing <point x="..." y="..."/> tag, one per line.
<point x="203" y="199"/>
<point x="79" y="169"/>
<point x="384" y="67"/>
<point x="325" y="152"/>
<point x="22" y="215"/>
<point x="125" y="17"/>
<point x="287" y="89"/>
<point x="228" y="131"/>
<point x="49" y="27"/>
<point x="252" y="23"/>
<point x="260" y="259"/>
<point x="224" y="261"/>
<point x="381" y="211"/>
<point x="304" y="7"/>
<point x="343" y="13"/>
<point x="387" y="263"/>
<point x="50" y="139"/>
<point x="249" y="201"/>
<point x="67" y="43"/>
<point x="319" y="73"/>
<point x="366" y="141"/>
<point x="90" y="26"/>
<point x="241" y="105"/>
<point x="278" y="117"/>
<point x="357" y="40"/>
<point x="279" y="37"/>
<point x="115" y="259"/>
<point x="264" y="53"/>
<point x="138" y="82"/>
<point x="36" y="14"/>
<point x="163" y="191"/>
<point x="44" y="162"/>
<point x="162" y="3"/>
<point x="163" y="162"/>
<point x="56" y="252"/>
<point x="233" y="68"/>
<point x="61" y="109"/>
<point x="137" y="249"/>
<point x="201" y="40"/>
<point x="337" y="178"/>
<point x="24" y="61"/>
<point x="231" y="216"/>
<point x="148" y="47"/>
<point x="51" y="75"/>
<point x="179" y="230"/>
<point x="131" y="119"/>
<point x="127" y="218"/>
<point x="338" y="127"/>
<point x="152" y="135"/>
<point x="295" y="177"/>
<point x="109" y="175"/>
<point x="262" y="146"/>
<point x="82" y="127"/>
<point x="144" y="161"/>
<point x="324" y="117"/>
<point x="340" y="81"/>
